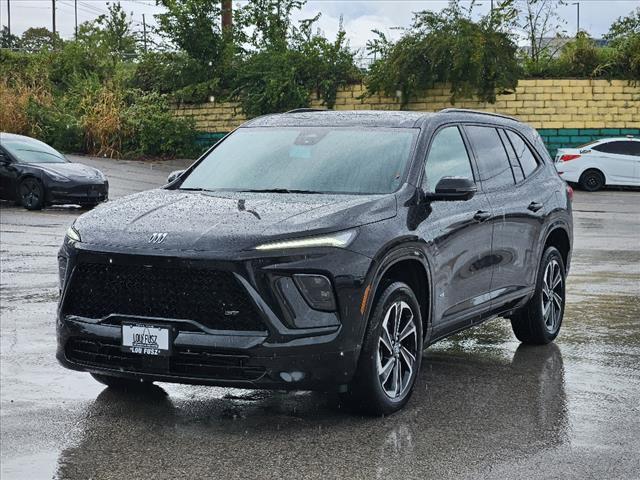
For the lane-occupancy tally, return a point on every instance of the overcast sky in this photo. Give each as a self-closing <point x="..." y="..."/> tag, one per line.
<point x="360" y="16"/>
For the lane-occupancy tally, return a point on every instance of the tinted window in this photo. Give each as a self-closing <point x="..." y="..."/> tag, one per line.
<point x="493" y="163"/>
<point x="524" y="153"/>
<point x="332" y="160"/>
<point x="513" y="158"/>
<point x="620" y="148"/>
<point x="448" y="157"/>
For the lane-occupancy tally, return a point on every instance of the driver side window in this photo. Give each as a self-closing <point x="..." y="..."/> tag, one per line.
<point x="447" y="157"/>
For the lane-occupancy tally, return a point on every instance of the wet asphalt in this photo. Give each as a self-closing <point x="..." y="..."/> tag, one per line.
<point x="484" y="406"/>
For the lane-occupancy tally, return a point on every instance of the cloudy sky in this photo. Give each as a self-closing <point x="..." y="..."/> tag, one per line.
<point x="360" y="16"/>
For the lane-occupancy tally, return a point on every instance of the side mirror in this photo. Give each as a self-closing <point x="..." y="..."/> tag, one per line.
<point x="453" y="188"/>
<point x="174" y="175"/>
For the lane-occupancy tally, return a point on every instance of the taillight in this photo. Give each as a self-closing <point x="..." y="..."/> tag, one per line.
<point x="570" y="193"/>
<point x="567" y="157"/>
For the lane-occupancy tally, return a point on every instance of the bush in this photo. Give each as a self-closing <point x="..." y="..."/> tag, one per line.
<point x="154" y="130"/>
<point x="475" y="58"/>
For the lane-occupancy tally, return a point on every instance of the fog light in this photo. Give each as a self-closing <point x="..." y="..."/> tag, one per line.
<point x="317" y="291"/>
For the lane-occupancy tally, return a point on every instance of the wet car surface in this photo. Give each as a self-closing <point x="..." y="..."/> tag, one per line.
<point x="484" y="406"/>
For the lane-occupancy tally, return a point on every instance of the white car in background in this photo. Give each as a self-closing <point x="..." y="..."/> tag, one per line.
<point x="608" y="161"/>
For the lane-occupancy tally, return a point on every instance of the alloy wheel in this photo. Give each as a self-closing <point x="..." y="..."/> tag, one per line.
<point x="552" y="296"/>
<point x="397" y="350"/>
<point x="30" y="193"/>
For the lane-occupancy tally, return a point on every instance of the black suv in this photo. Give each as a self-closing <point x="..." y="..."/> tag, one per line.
<point x="320" y="250"/>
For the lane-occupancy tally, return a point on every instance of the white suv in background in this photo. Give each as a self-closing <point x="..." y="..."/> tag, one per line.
<point x="608" y="161"/>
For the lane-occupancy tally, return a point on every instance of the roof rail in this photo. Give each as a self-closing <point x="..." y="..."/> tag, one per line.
<point x="303" y="110"/>
<point x="479" y="112"/>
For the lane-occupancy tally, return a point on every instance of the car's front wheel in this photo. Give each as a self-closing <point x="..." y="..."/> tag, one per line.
<point x="31" y="193"/>
<point x="391" y="353"/>
<point x="539" y="321"/>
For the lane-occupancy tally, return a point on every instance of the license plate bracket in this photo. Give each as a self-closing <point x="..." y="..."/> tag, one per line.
<point x="146" y="339"/>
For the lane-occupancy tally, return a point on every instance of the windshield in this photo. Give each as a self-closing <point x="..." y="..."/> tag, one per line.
<point x="319" y="160"/>
<point x="28" y="150"/>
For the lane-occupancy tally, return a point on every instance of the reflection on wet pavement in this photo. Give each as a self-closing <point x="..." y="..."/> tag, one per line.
<point x="484" y="407"/>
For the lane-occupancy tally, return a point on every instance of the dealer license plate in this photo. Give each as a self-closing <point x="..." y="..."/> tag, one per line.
<point x="145" y="339"/>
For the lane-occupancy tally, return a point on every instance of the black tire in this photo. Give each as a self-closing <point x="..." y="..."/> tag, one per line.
<point x="592" y="180"/>
<point x="539" y="322"/>
<point x="31" y="193"/>
<point x="122" y="384"/>
<point x="368" y="392"/>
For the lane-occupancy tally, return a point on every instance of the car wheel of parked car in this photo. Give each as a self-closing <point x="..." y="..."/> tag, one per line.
<point x="31" y="193"/>
<point x="391" y="353"/>
<point x="592" y="180"/>
<point x="540" y="320"/>
<point x="119" y="383"/>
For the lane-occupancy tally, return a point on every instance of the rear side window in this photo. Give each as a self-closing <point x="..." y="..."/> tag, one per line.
<point x="448" y="157"/>
<point x="620" y="148"/>
<point x="525" y="155"/>
<point x="493" y="163"/>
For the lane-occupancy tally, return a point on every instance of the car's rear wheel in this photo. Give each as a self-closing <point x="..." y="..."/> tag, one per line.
<point x="539" y="321"/>
<point x="31" y="193"/>
<point x="119" y="383"/>
<point x="391" y="353"/>
<point x="592" y="180"/>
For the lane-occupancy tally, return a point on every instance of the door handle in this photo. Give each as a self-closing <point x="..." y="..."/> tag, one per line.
<point x="481" y="216"/>
<point x="535" y="206"/>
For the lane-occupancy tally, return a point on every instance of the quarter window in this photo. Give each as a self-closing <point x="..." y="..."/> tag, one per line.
<point x="518" y="174"/>
<point x="448" y="157"/>
<point x="493" y="163"/>
<point x="524" y="153"/>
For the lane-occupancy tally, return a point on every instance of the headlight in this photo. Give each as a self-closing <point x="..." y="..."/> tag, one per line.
<point x="73" y="235"/>
<point x="339" y="240"/>
<point x="57" y="177"/>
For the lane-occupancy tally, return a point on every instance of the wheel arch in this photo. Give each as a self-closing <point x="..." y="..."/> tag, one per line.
<point x="411" y="266"/>
<point x="558" y="237"/>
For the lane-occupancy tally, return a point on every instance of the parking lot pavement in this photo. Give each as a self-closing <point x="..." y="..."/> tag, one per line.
<point x="484" y="406"/>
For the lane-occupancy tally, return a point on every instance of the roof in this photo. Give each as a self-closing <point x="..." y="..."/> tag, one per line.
<point x="342" y="118"/>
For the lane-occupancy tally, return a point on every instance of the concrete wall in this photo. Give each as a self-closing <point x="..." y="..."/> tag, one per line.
<point x="566" y="112"/>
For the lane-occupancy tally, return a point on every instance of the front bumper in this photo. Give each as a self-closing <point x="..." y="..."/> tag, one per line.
<point x="280" y="357"/>
<point x="78" y="194"/>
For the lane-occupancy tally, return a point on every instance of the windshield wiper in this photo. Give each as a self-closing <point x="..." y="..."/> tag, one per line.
<point x="195" y="189"/>
<point x="279" y="190"/>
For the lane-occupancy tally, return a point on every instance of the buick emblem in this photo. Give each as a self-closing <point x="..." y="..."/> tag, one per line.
<point x="157" y="238"/>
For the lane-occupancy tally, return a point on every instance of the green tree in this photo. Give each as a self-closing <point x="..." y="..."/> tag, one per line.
<point x="37" y="39"/>
<point x="288" y="61"/>
<point x="474" y="58"/>
<point x="8" y="40"/>
<point x="110" y="34"/>
<point x="624" y="27"/>
<point x="194" y="27"/>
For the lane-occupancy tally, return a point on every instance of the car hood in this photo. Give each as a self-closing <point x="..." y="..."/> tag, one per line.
<point x="225" y="222"/>
<point x="73" y="171"/>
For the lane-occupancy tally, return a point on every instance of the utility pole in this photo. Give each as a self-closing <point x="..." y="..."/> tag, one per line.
<point x="53" y="16"/>
<point x="75" y="10"/>
<point x="9" y="17"/>
<point x="144" y="32"/>
<point x="577" y="4"/>
<point x="227" y="14"/>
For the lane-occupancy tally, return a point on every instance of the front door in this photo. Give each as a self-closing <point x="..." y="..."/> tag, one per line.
<point x="458" y="237"/>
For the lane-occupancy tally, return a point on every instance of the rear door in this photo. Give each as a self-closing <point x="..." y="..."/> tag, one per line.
<point x="618" y="162"/>
<point x="458" y="235"/>
<point x="507" y="173"/>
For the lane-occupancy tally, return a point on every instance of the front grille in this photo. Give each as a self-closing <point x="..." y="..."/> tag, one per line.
<point x="214" y="299"/>
<point x="196" y="363"/>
